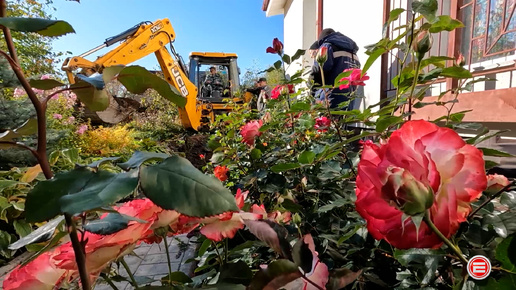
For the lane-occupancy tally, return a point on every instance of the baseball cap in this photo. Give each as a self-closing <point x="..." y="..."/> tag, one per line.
<point x="325" y="32"/>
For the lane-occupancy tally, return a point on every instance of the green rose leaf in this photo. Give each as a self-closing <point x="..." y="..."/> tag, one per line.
<point x="112" y="223"/>
<point x="504" y="224"/>
<point x="175" y="184"/>
<point x="137" y="80"/>
<point x="456" y="72"/>
<point x="76" y="191"/>
<point x="235" y="273"/>
<point x="427" y="8"/>
<point x="43" y="27"/>
<point x="96" y="164"/>
<point x="509" y="199"/>
<point x="494" y="152"/>
<point x="336" y="204"/>
<point x="140" y="157"/>
<point x="43" y="200"/>
<point x="284" y="167"/>
<point x="306" y="157"/>
<point x="105" y="188"/>
<point x="506" y="253"/>
<point x="426" y="260"/>
<point x="94" y="99"/>
<point x="385" y="122"/>
<point x="47" y="84"/>
<point x="445" y="22"/>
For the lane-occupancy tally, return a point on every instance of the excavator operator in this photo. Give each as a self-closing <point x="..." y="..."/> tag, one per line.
<point x="214" y="84"/>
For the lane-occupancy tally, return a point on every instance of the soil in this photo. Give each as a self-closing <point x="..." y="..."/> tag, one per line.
<point x="195" y="149"/>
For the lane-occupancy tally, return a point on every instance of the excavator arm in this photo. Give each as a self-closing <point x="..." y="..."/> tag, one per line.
<point x="140" y="41"/>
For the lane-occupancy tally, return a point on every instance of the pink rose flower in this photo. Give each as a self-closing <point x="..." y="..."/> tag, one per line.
<point x="57" y="116"/>
<point x="250" y="131"/>
<point x="354" y="79"/>
<point x="322" y="55"/>
<point x="496" y="182"/>
<point x="41" y="273"/>
<point x="429" y="161"/>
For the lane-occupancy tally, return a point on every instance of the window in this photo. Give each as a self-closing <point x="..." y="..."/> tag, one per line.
<point x="487" y="41"/>
<point x="490" y="30"/>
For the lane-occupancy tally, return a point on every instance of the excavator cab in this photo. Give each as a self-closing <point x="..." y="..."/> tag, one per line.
<point x="214" y="88"/>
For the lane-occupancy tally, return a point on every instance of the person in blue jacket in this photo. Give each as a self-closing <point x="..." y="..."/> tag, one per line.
<point x="341" y="55"/>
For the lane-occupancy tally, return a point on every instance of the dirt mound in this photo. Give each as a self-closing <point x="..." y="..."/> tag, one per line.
<point x="194" y="149"/>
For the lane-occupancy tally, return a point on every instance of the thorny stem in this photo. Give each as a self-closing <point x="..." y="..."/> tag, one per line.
<point x="226" y="249"/>
<point x="335" y="124"/>
<point x="108" y="280"/>
<point x="432" y="226"/>
<point x="41" y="150"/>
<point x="456" y="95"/>
<point x="472" y="214"/>
<point x="7" y="32"/>
<point x="218" y="253"/>
<point x="16" y="144"/>
<point x="128" y="270"/>
<point x="40" y="114"/>
<point x="168" y="257"/>
<point x="402" y="64"/>
<point x="413" y="88"/>
<point x="80" y="257"/>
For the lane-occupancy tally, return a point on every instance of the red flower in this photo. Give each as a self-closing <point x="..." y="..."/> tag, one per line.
<point x="354" y="79"/>
<point x="281" y="90"/>
<point x="250" y="131"/>
<point x="322" y="55"/>
<point x="221" y="172"/>
<point x="277" y="47"/>
<point x="322" y="124"/>
<point x="496" y="182"/>
<point x="240" y="197"/>
<point x="429" y="160"/>
<point x="201" y="156"/>
<point x="226" y="225"/>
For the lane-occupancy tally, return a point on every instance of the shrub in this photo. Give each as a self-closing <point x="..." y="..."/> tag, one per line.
<point x="108" y="141"/>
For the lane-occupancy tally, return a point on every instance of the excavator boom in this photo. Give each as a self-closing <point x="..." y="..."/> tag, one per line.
<point x="138" y="42"/>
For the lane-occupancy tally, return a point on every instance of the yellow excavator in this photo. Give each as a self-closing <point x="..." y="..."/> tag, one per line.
<point x="204" y="98"/>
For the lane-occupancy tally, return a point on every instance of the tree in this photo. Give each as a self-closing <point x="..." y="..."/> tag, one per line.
<point x="34" y="51"/>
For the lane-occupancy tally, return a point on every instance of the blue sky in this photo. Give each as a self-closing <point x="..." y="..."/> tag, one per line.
<point x="237" y="26"/>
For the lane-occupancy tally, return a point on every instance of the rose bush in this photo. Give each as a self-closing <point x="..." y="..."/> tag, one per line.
<point x="435" y="158"/>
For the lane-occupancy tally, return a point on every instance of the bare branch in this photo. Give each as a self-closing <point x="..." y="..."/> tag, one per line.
<point x="23" y="146"/>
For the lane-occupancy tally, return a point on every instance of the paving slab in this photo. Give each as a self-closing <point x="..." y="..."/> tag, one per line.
<point x="151" y="261"/>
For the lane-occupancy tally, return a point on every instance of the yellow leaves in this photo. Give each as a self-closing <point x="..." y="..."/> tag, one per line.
<point x="31" y="174"/>
<point x="108" y="141"/>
